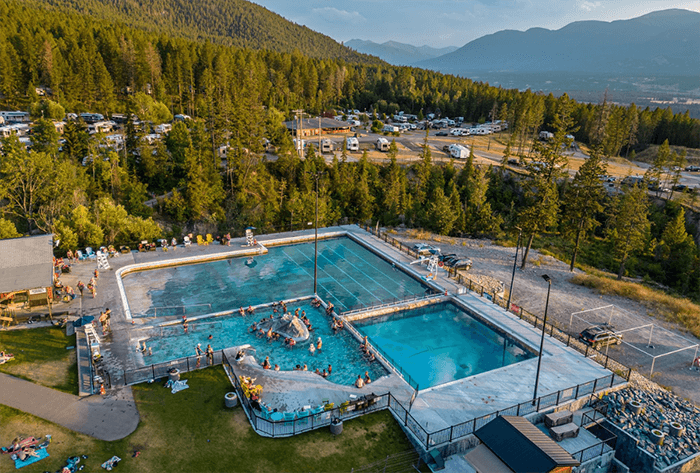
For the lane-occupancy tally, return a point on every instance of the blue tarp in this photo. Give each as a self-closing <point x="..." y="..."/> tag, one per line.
<point x="83" y="321"/>
<point x="41" y="455"/>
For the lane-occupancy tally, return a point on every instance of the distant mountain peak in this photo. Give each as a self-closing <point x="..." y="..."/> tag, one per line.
<point x="400" y="54"/>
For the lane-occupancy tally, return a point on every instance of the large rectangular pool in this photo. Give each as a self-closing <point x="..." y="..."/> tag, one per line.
<point x="441" y="343"/>
<point x="348" y="275"/>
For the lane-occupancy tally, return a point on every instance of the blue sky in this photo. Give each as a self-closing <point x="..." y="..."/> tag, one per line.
<point x="441" y="23"/>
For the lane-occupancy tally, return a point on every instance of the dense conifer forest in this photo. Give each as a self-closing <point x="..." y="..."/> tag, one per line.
<point x="239" y="92"/>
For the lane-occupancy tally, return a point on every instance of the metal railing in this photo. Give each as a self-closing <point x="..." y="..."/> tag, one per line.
<point x="389" y="302"/>
<point x="606" y="444"/>
<point x="171" y="311"/>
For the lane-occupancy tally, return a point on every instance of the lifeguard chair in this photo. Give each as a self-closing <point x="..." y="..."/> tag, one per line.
<point x="249" y="237"/>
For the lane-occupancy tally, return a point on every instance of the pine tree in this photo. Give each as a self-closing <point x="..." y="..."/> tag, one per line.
<point x="629" y="225"/>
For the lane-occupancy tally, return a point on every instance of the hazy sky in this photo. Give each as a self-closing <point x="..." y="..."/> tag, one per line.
<point x="441" y="23"/>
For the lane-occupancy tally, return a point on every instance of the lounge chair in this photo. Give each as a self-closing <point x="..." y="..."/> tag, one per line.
<point x="303" y="417"/>
<point x="187" y="241"/>
<point x="80" y="255"/>
<point x="289" y="418"/>
<point x="90" y="253"/>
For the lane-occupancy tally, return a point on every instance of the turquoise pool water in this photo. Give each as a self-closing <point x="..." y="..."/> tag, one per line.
<point x="339" y="349"/>
<point x="441" y="343"/>
<point x="348" y="275"/>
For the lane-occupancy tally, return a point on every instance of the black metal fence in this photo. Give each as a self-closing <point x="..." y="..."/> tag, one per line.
<point x="607" y="440"/>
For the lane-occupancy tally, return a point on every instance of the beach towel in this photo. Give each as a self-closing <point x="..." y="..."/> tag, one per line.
<point x="41" y="454"/>
<point x="177" y="385"/>
<point x="111" y="463"/>
<point x="4" y="359"/>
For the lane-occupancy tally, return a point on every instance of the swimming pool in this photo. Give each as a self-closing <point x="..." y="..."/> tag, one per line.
<point x="348" y="275"/>
<point x="339" y="349"/>
<point x="440" y="343"/>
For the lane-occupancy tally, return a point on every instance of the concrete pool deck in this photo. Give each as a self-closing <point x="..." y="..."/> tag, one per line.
<point x="434" y="408"/>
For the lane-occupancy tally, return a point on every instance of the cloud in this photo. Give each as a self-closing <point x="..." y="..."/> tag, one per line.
<point x="333" y="15"/>
<point x="588" y="6"/>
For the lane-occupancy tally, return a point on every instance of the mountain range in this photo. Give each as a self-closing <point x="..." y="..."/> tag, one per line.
<point x="396" y="53"/>
<point x="665" y="42"/>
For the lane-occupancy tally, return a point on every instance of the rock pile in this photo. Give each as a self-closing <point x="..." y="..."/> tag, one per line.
<point x="659" y="410"/>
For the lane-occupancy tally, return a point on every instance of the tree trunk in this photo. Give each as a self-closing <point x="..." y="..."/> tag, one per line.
<point x="576" y="245"/>
<point x="527" y="250"/>
<point x="621" y="271"/>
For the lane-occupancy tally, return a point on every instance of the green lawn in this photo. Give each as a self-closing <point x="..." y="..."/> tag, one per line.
<point x="41" y="356"/>
<point x="192" y="431"/>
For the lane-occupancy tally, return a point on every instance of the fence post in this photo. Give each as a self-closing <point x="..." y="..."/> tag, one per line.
<point x="576" y="396"/>
<point x="595" y="383"/>
<point x="153" y="370"/>
<point x="538" y="403"/>
<point x="612" y="379"/>
<point x="518" y="411"/>
<point x="558" y="395"/>
<point x="188" y="363"/>
<point x="452" y="429"/>
<point x="606" y="361"/>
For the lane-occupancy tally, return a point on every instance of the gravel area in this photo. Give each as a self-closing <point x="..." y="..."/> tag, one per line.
<point x="494" y="263"/>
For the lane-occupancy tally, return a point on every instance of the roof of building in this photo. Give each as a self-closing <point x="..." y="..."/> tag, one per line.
<point x="312" y="123"/>
<point x="26" y="263"/>
<point x="522" y="446"/>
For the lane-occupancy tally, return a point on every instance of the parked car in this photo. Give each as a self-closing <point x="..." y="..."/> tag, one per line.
<point x="441" y="133"/>
<point x="465" y="264"/>
<point x="600" y="335"/>
<point x="447" y="256"/>
<point x="422" y="248"/>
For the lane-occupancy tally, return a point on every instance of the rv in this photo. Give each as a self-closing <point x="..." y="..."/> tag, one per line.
<point x="15" y="117"/>
<point x="100" y="127"/>
<point x="92" y="117"/>
<point x="459" y="151"/>
<point x="459" y="132"/>
<point x="326" y="146"/>
<point x="353" y="144"/>
<point x="383" y="144"/>
<point x="546" y="135"/>
<point x="400" y="118"/>
<point x="390" y="129"/>
<point x="163" y="128"/>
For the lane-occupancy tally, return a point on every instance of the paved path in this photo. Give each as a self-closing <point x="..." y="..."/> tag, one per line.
<point x="111" y="417"/>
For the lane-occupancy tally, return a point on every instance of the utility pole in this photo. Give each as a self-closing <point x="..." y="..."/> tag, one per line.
<point x="299" y="119"/>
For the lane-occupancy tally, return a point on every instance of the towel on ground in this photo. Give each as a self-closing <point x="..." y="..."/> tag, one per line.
<point x="41" y="454"/>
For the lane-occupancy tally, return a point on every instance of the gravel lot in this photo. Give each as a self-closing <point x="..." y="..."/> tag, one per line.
<point x="494" y="264"/>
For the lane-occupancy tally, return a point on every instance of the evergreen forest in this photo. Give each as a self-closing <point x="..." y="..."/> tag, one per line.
<point x="238" y="94"/>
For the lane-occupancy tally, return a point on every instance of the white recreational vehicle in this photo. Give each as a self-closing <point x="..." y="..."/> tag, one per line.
<point x="459" y="151"/>
<point x="352" y="144"/>
<point x="390" y="129"/>
<point x="383" y="144"/>
<point x="326" y="146"/>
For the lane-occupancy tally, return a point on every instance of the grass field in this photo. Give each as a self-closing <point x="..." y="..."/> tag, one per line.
<point x="41" y="356"/>
<point x="192" y="431"/>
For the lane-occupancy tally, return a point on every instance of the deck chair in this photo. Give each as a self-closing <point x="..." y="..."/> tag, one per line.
<point x="90" y="253"/>
<point x="303" y="417"/>
<point x="187" y="241"/>
<point x="289" y="418"/>
<point x="80" y="255"/>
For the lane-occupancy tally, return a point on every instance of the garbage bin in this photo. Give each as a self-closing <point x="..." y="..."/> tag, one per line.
<point x="231" y="400"/>
<point x="174" y="374"/>
<point x="336" y="426"/>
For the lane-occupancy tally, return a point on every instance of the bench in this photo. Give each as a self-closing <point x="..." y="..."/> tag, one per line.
<point x="558" y="418"/>
<point x="565" y="431"/>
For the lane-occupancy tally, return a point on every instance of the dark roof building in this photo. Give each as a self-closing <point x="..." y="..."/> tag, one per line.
<point x="310" y="126"/>
<point x="513" y="444"/>
<point x="26" y="263"/>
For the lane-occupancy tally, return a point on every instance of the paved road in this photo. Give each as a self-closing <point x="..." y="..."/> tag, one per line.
<point x="110" y="417"/>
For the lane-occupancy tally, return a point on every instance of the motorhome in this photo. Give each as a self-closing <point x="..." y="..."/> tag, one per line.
<point x="163" y="128"/>
<point x="459" y="151"/>
<point x="352" y="144"/>
<point x="390" y="129"/>
<point x="546" y="135"/>
<point x="383" y="144"/>
<point x="459" y="132"/>
<point x="92" y="117"/>
<point x="400" y="118"/>
<point x="326" y="146"/>
<point x="100" y="127"/>
<point x="10" y="117"/>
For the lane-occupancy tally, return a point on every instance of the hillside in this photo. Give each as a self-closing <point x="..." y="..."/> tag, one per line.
<point x="659" y="43"/>
<point x="398" y="54"/>
<point x="230" y="22"/>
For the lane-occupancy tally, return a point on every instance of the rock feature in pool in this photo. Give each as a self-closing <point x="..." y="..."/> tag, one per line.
<point x="288" y="326"/>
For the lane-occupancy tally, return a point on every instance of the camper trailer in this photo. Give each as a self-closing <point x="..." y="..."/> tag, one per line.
<point x="459" y="151"/>
<point x="546" y="135"/>
<point x="353" y="144"/>
<point x="390" y="129"/>
<point x="383" y="144"/>
<point x="326" y="146"/>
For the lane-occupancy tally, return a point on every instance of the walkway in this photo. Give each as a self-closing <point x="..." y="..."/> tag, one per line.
<point x="111" y="417"/>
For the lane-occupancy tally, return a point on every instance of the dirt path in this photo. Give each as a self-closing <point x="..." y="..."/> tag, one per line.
<point x="530" y="291"/>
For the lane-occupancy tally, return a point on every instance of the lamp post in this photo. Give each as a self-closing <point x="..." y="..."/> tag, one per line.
<point x="544" y="325"/>
<point x="515" y="263"/>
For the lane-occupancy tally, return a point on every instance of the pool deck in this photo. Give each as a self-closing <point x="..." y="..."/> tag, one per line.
<point x="435" y="408"/>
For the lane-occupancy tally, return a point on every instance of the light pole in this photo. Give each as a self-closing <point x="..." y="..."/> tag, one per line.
<point x="544" y="325"/>
<point x="317" y="175"/>
<point x="515" y="263"/>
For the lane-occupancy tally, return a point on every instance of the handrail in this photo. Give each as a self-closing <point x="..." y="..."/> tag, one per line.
<point x="387" y="303"/>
